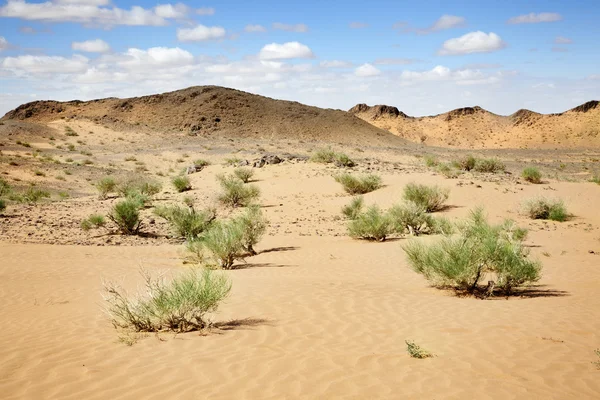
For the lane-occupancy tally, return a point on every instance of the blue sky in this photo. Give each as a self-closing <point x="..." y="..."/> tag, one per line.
<point x="423" y="58"/>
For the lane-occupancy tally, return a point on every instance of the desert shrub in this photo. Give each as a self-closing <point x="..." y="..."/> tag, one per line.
<point x="430" y="198"/>
<point x="480" y="250"/>
<point x="342" y="160"/>
<point x="5" y="188"/>
<point x="253" y="225"/>
<point x="446" y="170"/>
<point x="139" y="184"/>
<point x="244" y="174"/>
<point x="179" y="305"/>
<point x="431" y="161"/>
<point x="70" y="132"/>
<point x="358" y="184"/>
<point x="105" y="186"/>
<point x="413" y="219"/>
<point x="373" y="224"/>
<point x="235" y="192"/>
<point x="201" y="163"/>
<point x="126" y="216"/>
<point x="542" y="208"/>
<point x="224" y="243"/>
<point x="416" y="351"/>
<point x="93" y="221"/>
<point x="33" y="195"/>
<point x="532" y="174"/>
<point x="328" y="156"/>
<point x="491" y="165"/>
<point x="2" y="206"/>
<point x="181" y="183"/>
<point x="466" y="163"/>
<point x="186" y="222"/>
<point x="595" y="179"/>
<point x="232" y="161"/>
<point x="354" y="208"/>
<point x="597" y="363"/>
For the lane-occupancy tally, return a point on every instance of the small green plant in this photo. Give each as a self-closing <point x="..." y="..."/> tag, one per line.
<point x="359" y="184"/>
<point x="236" y="193"/>
<point x="70" y="132"/>
<point x="181" y="183"/>
<point x="232" y="161"/>
<point x="411" y="218"/>
<point x="446" y="170"/>
<point x="253" y="225"/>
<point x="373" y="224"/>
<point x="33" y="195"/>
<point x="466" y="163"/>
<point x="2" y="206"/>
<point x="353" y="210"/>
<point x="597" y="363"/>
<point x="186" y="222"/>
<point x="431" y="161"/>
<point x="532" y="174"/>
<point x="180" y="304"/>
<point x="542" y="208"/>
<point x="490" y="165"/>
<point x="71" y="147"/>
<point x="93" y="221"/>
<point x="5" y="188"/>
<point x="244" y="174"/>
<point x="595" y="179"/>
<point x="126" y="216"/>
<point x="201" y="163"/>
<point x="416" y="351"/>
<point x="105" y="186"/>
<point x="429" y="198"/>
<point x="328" y="156"/>
<point x="139" y="184"/>
<point x="224" y="243"/>
<point x="479" y="250"/>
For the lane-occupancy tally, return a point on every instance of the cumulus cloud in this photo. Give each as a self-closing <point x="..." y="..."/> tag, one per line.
<point x="205" y="11"/>
<point x="155" y="57"/>
<point x="91" y="46"/>
<point x="335" y="64"/>
<point x="275" y="51"/>
<point x="439" y="73"/>
<point x="3" y="43"/>
<point x="366" y="70"/>
<point x="473" y="42"/>
<point x="394" y="61"/>
<point x="200" y="33"/>
<point x="562" y="40"/>
<point x="358" y="25"/>
<point x="301" y="28"/>
<point x="91" y="12"/>
<point x="255" y="28"/>
<point x="533" y="18"/>
<point x="444" y="22"/>
<point x="45" y="64"/>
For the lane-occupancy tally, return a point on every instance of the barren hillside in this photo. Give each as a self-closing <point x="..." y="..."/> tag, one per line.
<point x="208" y="110"/>
<point x="474" y="127"/>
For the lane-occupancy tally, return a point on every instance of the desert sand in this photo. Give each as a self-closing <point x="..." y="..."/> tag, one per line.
<point x="315" y="314"/>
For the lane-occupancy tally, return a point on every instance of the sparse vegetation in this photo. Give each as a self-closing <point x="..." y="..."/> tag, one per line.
<point x="354" y="208"/>
<point x="490" y="165"/>
<point x="359" y="184"/>
<point x="253" y="225"/>
<point x="178" y="305"/>
<point x="126" y="216"/>
<point x="2" y="206"/>
<point x="139" y="184"/>
<point x="244" y="174"/>
<point x="33" y="195"/>
<point x="186" y="222"/>
<point x="446" y="170"/>
<point x="597" y="363"/>
<point x="5" y="188"/>
<point x="328" y="156"/>
<point x="466" y="163"/>
<point x="235" y="192"/>
<point x="542" y="208"/>
<point x="223" y="242"/>
<point x="373" y="224"/>
<point x="480" y="250"/>
<point x="93" y="221"/>
<point x="595" y="179"/>
<point x="232" y="161"/>
<point x="430" y="198"/>
<point x="532" y="174"/>
<point x="70" y="132"/>
<point x="431" y="161"/>
<point x="181" y="183"/>
<point x="413" y="219"/>
<point x="201" y="163"/>
<point x="416" y="351"/>
<point x="105" y="186"/>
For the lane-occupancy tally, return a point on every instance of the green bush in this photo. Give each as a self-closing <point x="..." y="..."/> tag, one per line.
<point x="201" y="163"/>
<point x="532" y="174"/>
<point x="481" y="250"/>
<point x="126" y="216"/>
<point x="93" y="221"/>
<point x="236" y="193"/>
<point x="244" y="174"/>
<point x="431" y="161"/>
<point x="139" y="184"/>
<point x="253" y="225"/>
<point x="416" y="351"/>
<point x="5" y="188"/>
<point x="491" y="165"/>
<point x="224" y="241"/>
<point x="413" y="219"/>
<point x="179" y="305"/>
<point x="185" y="221"/>
<point x="373" y="224"/>
<point x="105" y="186"/>
<point x="467" y="163"/>
<point x="430" y="198"/>
<point x="358" y="184"/>
<point x="181" y="183"/>
<point x="447" y="171"/>
<point x="328" y="156"/>
<point x="353" y="210"/>
<point x="541" y="208"/>
<point x="33" y="195"/>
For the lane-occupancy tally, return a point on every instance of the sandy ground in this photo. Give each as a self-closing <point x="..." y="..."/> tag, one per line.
<point x="315" y="314"/>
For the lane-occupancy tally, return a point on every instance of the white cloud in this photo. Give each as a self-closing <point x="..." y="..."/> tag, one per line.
<point x="91" y="46"/>
<point x="366" y="70"/>
<point x="45" y="64"/>
<point x="290" y="28"/>
<point x="205" y="11"/>
<point x="473" y="42"/>
<point x="533" y="18"/>
<point x="447" y="22"/>
<point x="275" y="51"/>
<point x="90" y="12"/>
<point x="562" y="40"/>
<point x="3" y="43"/>
<point x="394" y="61"/>
<point x="200" y="33"/>
<point x="255" y="28"/>
<point x="335" y="64"/>
<point x="155" y="57"/>
<point x="460" y="76"/>
<point x="358" y="25"/>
